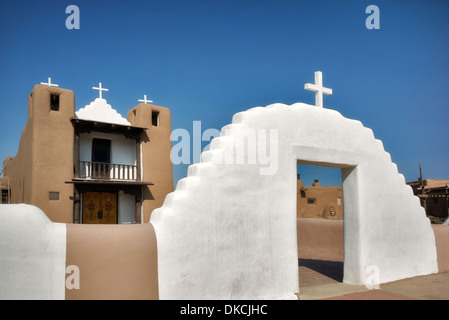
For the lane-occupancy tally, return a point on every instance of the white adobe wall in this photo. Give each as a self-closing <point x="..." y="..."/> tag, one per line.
<point x="229" y="232"/>
<point x="100" y="110"/>
<point x="32" y="255"/>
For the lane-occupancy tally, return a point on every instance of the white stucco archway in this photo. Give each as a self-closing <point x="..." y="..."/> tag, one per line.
<point x="229" y="229"/>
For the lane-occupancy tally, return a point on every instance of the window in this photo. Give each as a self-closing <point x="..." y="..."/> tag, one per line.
<point x="101" y="157"/>
<point x="155" y="118"/>
<point x="54" y="102"/>
<point x="54" y="196"/>
<point x="311" y="201"/>
<point x="5" y="196"/>
<point x="101" y="150"/>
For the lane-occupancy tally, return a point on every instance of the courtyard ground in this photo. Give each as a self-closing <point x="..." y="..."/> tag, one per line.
<point x="323" y="280"/>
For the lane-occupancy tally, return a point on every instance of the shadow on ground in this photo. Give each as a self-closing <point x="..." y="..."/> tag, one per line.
<point x="329" y="269"/>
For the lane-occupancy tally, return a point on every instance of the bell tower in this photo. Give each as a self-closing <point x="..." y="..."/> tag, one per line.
<point x="155" y="153"/>
<point x="49" y="136"/>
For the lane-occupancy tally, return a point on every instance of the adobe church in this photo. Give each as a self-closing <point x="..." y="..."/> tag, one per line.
<point x="223" y="231"/>
<point x="91" y="166"/>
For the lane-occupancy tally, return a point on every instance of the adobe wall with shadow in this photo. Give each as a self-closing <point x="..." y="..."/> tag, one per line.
<point x="320" y="239"/>
<point x="442" y="242"/>
<point x="116" y="262"/>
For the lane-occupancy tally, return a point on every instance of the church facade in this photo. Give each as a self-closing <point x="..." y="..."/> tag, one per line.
<point x="90" y="166"/>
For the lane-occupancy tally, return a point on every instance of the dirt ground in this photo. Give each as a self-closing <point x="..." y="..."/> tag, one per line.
<point x="431" y="287"/>
<point x="323" y="280"/>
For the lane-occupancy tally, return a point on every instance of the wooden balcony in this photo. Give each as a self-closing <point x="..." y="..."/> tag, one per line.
<point x="108" y="171"/>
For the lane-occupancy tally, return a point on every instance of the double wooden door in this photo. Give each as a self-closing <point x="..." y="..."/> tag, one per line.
<point x="100" y="208"/>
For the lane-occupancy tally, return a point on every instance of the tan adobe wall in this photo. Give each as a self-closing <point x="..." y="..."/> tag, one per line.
<point x="115" y="262"/>
<point x="326" y="204"/>
<point x="323" y="240"/>
<point x="442" y="242"/>
<point x="320" y="239"/>
<point x="434" y="183"/>
<point x="156" y="163"/>
<point x="19" y="168"/>
<point x="44" y="160"/>
<point x="4" y="182"/>
<point x="53" y="152"/>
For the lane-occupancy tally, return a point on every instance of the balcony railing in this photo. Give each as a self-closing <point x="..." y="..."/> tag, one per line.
<point x="107" y="171"/>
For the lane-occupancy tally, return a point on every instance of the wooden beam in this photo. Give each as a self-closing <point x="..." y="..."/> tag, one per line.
<point x="77" y="154"/>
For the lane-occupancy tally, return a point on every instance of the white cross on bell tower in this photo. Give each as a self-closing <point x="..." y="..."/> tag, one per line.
<point x="318" y="89"/>
<point x="49" y="83"/>
<point x="101" y="89"/>
<point x="145" y="100"/>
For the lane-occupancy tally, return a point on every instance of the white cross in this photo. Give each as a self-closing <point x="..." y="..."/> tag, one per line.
<point x="145" y="100"/>
<point x="49" y="83"/>
<point x="101" y="89"/>
<point x="318" y="89"/>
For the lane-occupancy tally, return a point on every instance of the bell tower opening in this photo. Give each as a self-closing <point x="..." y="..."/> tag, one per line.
<point x="54" y="102"/>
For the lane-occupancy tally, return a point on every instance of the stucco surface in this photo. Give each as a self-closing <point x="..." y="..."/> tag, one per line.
<point x="115" y="262"/>
<point x="227" y="228"/>
<point x="156" y="147"/>
<point x="32" y="254"/>
<point x="44" y="160"/>
<point x="442" y="241"/>
<point x="100" y="110"/>
<point x="320" y="239"/>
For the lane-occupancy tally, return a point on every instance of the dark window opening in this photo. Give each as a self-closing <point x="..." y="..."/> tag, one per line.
<point x="101" y="150"/>
<point x="311" y="201"/>
<point x="155" y="118"/>
<point x="101" y="157"/>
<point x="54" y="102"/>
<point x="5" y="197"/>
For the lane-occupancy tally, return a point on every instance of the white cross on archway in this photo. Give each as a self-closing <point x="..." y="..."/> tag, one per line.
<point x="145" y="100"/>
<point x="318" y="89"/>
<point x="49" y="83"/>
<point x="101" y="89"/>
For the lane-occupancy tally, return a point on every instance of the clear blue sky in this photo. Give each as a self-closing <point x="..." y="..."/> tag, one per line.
<point x="207" y="60"/>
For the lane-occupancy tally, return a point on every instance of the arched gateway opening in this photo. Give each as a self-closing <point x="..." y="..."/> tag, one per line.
<point x="320" y="218"/>
<point x="229" y="229"/>
<point x="322" y="242"/>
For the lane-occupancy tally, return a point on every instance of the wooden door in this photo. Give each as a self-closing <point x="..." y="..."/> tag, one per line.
<point x="100" y="208"/>
<point x="108" y="203"/>
<point x="91" y="208"/>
